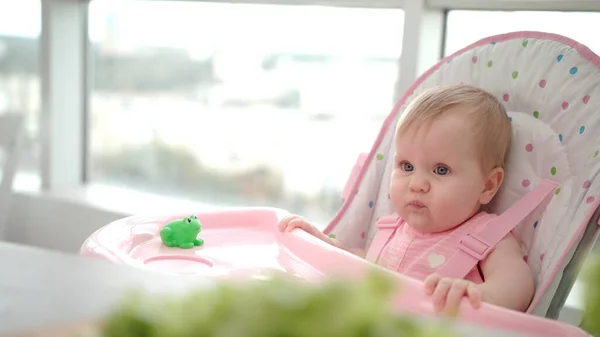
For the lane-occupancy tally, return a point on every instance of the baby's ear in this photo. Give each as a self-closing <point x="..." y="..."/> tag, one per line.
<point x="493" y="182"/>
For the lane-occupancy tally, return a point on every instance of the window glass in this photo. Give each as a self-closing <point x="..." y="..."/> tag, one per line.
<point x="239" y="104"/>
<point x="20" y="23"/>
<point x="467" y="26"/>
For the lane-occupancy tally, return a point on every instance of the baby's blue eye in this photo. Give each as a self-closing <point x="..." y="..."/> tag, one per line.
<point x="441" y="170"/>
<point x="407" y="167"/>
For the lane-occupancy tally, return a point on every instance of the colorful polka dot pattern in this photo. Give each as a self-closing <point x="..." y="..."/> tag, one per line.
<point x="565" y="105"/>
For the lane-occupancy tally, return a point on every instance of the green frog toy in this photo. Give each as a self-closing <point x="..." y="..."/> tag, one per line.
<point x="182" y="233"/>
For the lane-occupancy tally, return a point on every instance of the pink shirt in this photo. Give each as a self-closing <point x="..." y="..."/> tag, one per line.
<point x="418" y="255"/>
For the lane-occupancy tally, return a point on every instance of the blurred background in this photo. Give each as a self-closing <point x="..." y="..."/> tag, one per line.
<point x="221" y="103"/>
<point x="145" y="106"/>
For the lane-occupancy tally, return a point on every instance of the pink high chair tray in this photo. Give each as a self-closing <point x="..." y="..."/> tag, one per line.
<point x="238" y="242"/>
<point x="245" y="243"/>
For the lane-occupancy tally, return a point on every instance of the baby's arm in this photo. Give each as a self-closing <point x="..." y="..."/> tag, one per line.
<point x="508" y="279"/>
<point x="291" y="222"/>
<point x="337" y="243"/>
<point x="358" y="252"/>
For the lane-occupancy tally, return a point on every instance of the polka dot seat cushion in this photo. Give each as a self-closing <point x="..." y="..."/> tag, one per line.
<point x="551" y="87"/>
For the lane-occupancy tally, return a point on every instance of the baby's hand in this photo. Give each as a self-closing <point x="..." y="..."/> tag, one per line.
<point x="448" y="293"/>
<point x="291" y="222"/>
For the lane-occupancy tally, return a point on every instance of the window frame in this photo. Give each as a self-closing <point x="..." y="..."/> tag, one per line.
<point x="517" y="5"/>
<point x="64" y="121"/>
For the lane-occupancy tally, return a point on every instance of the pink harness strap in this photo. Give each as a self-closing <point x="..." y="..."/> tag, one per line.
<point x="386" y="226"/>
<point x="475" y="247"/>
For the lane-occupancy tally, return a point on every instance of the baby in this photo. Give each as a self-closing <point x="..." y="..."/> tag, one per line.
<point x="451" y="144"/>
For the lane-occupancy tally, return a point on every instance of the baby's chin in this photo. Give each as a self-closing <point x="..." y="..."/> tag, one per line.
<point x="427" y="228"/>
<point x="424" y="224"/>
<point x="419" y="222"/>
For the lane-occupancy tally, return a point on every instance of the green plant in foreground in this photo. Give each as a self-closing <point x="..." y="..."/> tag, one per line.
<point x="591" y="312"/>
<point x="278" y="307"/>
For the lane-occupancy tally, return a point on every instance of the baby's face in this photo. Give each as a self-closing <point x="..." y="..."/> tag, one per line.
<point x="437" y="182"/>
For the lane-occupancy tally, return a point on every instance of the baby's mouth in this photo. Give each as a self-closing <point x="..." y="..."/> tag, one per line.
<point x="415" y="204"/>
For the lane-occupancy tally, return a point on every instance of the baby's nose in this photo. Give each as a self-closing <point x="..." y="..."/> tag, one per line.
<point x="419" y="184"/>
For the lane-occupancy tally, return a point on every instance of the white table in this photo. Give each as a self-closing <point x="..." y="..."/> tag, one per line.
<point x="40" y="287"/>
<point x="43" y="288"/>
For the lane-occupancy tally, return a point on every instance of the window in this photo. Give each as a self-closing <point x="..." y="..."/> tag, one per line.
<point x="460" y="30"/>
<point x="20" y="26"/>
<point x="239" y="104"/>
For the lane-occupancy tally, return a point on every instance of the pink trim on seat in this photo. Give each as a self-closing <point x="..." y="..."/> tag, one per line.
<point x="354" y="176"/>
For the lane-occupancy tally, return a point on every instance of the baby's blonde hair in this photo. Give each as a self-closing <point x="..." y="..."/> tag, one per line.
<point x="491" y="125"/>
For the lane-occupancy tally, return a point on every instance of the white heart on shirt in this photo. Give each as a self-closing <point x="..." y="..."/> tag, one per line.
<point x="435" y="260"/>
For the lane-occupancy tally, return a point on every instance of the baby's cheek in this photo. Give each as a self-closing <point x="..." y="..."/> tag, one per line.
<point x="395" y="194"/>
<point x="451" y="208"/>
<point x="463" y="206"/>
